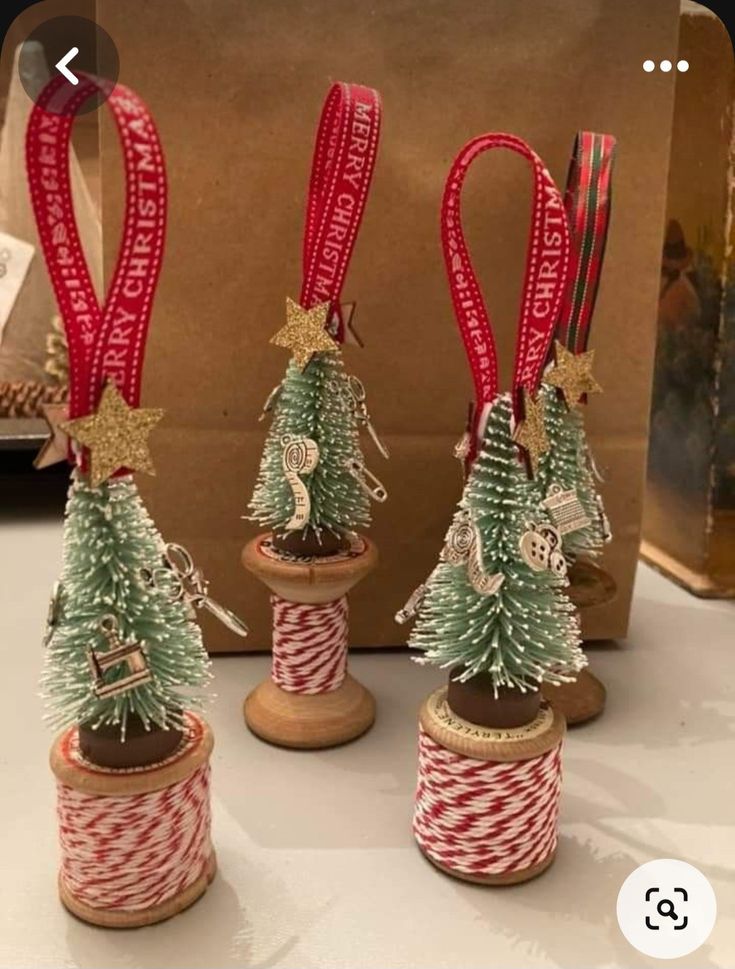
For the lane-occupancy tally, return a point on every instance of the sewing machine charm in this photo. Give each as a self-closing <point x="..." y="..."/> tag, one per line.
<point x="131" y="654"/>
<point x="181" y="581"/>
<point x="565" y="510"/>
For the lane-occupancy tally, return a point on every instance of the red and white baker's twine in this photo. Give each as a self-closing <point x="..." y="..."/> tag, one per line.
<point x="479" y="817"/>
<point x="136" y="851"/>
<point x="309" y="645"/>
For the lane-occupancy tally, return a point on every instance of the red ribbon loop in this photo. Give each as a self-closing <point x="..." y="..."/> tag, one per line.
<point x="342" y="168"/>
<point x="587" y="202"/>
<point x="547" y="268"/>
<point x="105" y="342"/>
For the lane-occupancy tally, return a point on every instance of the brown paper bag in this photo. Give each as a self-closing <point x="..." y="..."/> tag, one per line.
<point x="237" y="92"/>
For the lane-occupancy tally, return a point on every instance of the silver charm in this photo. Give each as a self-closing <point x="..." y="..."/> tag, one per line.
<point x="590" y="459"/>
<point x="462" y="447"/>
<point x="54" y="614"/>
<point x="118" y="653"/>
<point x="605" y="527"/>
<point x="540" y="548"/>
<point x="565" y="509"/>
<point x="463" y="544"/>
<point x="413" y="604"/>
<point x="270" y="401"/>
<point x="460" y="539"/>
<point x="179" y="580"/>
<point x="300" y="457"/>
<point x="481" y="581"/>
<point x="371" y="485"/>
<point x="357" y="394"/>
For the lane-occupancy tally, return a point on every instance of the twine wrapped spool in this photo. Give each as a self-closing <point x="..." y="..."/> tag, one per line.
<point x="310" y="700"/>
<point x="135" y="843"/>
<point x="487" y="800"/>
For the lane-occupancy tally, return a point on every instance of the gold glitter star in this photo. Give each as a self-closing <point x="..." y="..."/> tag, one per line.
<point x="117" y="435"/>
<point x="572" y="374"/>
<point x="56" y="445"/>
<point x="304" y="333"/>
<point x="530" y="433"/>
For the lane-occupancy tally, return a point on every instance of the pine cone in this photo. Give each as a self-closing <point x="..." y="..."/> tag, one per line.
<point x="21" y="398"/>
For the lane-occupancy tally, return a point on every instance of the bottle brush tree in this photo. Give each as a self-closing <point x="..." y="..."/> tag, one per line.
<point x="117" y="649"/>
<point x="312" y="473"/>
<point x="525" y="631"/>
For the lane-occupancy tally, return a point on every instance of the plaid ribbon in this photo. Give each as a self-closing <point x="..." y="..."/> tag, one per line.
<point x="587" y="204"/>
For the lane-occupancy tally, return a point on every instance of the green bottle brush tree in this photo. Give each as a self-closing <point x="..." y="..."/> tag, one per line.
<point x="506" y="643"/>
<point x="122" y="658"/>
<point x="316" y="404"/>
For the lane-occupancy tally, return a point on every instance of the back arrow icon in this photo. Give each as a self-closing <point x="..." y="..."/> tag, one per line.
<point x="63" y="69"/>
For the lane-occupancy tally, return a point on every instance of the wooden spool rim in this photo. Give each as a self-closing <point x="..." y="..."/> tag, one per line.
<point x="579" y="702"/>
<point x="72" y="770"/>
<point x="345" y="569"/>
<point x="504" y="745"/>
<point x="126" y="919"/>
<point x="507" y="878"/>
<point x="313" y="721"/>
<point x="594" y="586"/>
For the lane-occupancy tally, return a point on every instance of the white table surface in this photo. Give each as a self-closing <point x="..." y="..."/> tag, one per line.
<point x="317" y="866"/>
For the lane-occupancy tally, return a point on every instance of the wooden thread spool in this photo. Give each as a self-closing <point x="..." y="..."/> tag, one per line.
<point x="309" y="720"/>
<point x="583" y="700"/>
<point x="135" y="842"/>
<point x="487" y="800"/>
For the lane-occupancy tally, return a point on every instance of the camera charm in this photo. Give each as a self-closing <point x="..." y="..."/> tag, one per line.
<point x="131" y="655"/>
<point x="300" y="457"/>
<point x="181" y="581"/>
<point x="565" y="509"/>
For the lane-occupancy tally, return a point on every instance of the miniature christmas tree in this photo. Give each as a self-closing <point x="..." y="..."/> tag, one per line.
<point x="567" y="480"/>
<point x="523" y="631"/>
<point x="117" y="648"/>
<point x="566" y="474"/>
<point x="312" y="474"/>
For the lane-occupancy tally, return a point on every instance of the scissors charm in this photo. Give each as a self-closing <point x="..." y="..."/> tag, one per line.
<point x="181" y="581"/>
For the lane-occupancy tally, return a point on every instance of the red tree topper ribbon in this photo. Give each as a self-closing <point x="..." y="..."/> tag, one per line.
<point x="342" y="168"/>
<point x="587" y="203"/>
<point x="547" y="268"/>
<point x="105" y="342"/>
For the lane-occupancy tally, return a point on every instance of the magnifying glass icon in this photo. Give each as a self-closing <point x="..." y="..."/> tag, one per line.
<point x="670" y="911"/>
